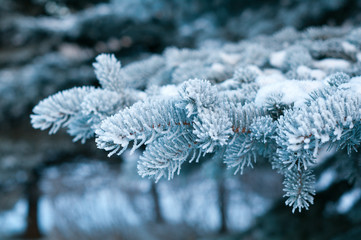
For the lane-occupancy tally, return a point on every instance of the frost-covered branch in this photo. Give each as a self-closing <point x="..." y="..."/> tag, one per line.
<point x="278" y="97"/>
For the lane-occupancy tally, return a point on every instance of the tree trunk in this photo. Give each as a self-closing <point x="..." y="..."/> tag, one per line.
<point x="157" y="210"/>
<point x="32" y="195"/>
<point x="222" y="201"/>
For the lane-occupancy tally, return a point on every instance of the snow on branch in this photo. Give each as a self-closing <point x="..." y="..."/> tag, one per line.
<point x="283" y="97"/>
<point x="57" y="111"/>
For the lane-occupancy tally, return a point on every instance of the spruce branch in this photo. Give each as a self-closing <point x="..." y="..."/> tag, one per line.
<point x="59" y="109"/>
<point x="144" y="121"/>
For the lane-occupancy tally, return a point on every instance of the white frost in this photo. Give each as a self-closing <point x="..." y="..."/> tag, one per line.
<point x="294" y="148"/>
<point x="348" y="47"/>
<point x="217" y="67"/>
<point x="325" y="138"/>
<point x="291" y="91"/>
<point x="338" y="133"/>
<point x="229" y="58"/>
<point x="315" y="74"/>
<point x="270" y="77"/>
<point x="168" y="90"/>
<point x="331" y="63"/>
<point x="277" y="58"/>
<point x="354" y="85"/>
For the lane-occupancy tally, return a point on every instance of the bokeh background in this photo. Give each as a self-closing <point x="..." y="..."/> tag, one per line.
<point x="52" y="188"/>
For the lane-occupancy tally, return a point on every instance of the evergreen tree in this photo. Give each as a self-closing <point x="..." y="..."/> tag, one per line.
<point x="281" y="102"/>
